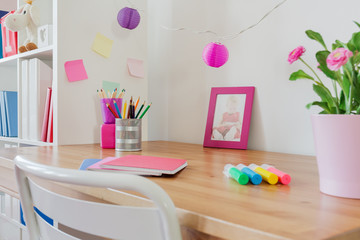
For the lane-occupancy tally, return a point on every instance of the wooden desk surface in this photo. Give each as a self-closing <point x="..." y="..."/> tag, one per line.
<point x="210" y="203"/>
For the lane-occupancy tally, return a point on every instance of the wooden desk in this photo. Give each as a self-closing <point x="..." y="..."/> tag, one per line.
<point x="210" y="204"/>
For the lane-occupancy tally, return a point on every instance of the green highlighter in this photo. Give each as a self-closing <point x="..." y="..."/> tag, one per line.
<point x="231" y="171"/>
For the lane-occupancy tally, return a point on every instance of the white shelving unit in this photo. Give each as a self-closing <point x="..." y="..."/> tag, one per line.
<point x="10" y="70"/>
<point x="77" y="113"/>
<point x="45" y="53"/>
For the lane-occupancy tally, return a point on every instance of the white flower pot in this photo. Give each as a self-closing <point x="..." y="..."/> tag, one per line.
<point x="337" y="144"/>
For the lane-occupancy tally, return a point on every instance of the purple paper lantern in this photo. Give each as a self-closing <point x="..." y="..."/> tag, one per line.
<point x="215" y="54"/>
<point x="128" y="18"/>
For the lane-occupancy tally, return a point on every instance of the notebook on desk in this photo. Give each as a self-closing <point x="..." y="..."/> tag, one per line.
<point x="136" y="164"/>
<point x="147" y="164"/>
<point x="95" y="165"/>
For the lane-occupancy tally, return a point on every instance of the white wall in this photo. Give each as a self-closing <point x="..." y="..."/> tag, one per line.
<point x="8" y="5"/>
<point x="78" y="104"/>
<point x="180" y="82"/>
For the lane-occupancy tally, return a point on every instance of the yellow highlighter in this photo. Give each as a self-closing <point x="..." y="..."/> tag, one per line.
<point x="269" y="177"/>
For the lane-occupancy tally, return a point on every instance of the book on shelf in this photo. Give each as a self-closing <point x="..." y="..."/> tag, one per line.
<point x="40" y="79"/>
<point x="11" y="111"/>
<point x="24" y="89"/>
<point x="44" y="129"/>
<point x="49" y="134"/>
<point x="9" y="38"/>
<point x="1" y="132"/>
<point x="3" y="114"/>
<point x="97" y="166"/>
<point x="2" y="13"/>
<point x="149" y="164"/>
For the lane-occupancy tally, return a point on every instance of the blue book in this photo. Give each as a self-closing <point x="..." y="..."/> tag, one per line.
<point x="3" y="114"/>
<point x="87" y="163"/>
<point x="2" y="13"/>
<point x="11" y="110"/>
<point x="1" y="132"/>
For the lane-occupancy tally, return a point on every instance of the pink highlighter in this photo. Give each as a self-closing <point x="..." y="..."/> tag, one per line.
<point x="284" y="178"/>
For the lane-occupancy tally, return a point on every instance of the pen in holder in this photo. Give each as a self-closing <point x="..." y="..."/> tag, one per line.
<point x="128" y="134"/>
<point x="107" y="116"/>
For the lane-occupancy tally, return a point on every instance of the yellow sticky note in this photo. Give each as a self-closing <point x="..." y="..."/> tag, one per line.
<point x="102" y="45"/>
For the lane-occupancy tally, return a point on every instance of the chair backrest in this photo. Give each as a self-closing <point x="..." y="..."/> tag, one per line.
<point x="100" y="219"/>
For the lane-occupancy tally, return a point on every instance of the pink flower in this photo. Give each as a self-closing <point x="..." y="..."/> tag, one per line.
<point x="338" y="58"/>
<point x="296" y="54"/>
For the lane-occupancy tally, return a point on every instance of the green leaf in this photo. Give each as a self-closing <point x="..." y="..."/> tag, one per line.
<point x="338" y="44"/>
<point x="356" y="58"/>
<point x="300" y="75"/>
<point x="354" y="43"/>
<point x="321" y="58"/>
<point x="316" y="36"/>
<point x="346" y="86"/>
<point x="357" y="24"/>
<point x="342" y="105"/>
<point x="323" y="105"/>
<point x="324" y="94"/>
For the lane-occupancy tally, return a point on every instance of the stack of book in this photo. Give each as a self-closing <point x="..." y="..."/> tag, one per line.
<point x="9" y="114"/>
<point x="136" y="164"/>
<point x="2" y="13"/>
<point x="36" y="100"/>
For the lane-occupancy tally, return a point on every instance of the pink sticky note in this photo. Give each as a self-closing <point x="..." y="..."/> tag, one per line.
<point x="136" y="67"/>
<point x="75" y="70"/>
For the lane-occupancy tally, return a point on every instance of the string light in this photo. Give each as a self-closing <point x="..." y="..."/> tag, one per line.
<point x="230" y="36"/>
<point x="216" y="54"/>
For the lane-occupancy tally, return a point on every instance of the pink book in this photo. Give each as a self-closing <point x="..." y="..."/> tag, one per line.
<point x="46" y="115"/>
<point x="49" y="137"/>
<point x="147" y="163"/>
<point x="98" y="167"/>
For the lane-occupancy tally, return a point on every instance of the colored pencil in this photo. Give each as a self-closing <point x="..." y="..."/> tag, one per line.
<point x="129" y="110"/>
<point x="124" y="113"/>
<point x="103" y="93"/>
<point x="99" y="93"/>
<point x="140" y="110"/>
<point x="117" y="109"/>
<point x="113" y="95"/>
<point x="112" y="111"/>
<point x="121" y="95"/>
<point x="146" y="109"/>
<point x="137" y="103"/>
<point x="132" y="115"/>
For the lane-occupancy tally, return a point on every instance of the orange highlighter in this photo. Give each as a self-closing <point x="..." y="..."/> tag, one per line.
<point x="284" y="178"/>
<point x="269" y="177"/>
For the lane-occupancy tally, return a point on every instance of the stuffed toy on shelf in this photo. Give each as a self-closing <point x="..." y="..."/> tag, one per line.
<point x="26" y="17"/>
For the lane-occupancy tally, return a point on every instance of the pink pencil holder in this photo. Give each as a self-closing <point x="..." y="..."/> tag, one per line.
<point x="108" y="117"/>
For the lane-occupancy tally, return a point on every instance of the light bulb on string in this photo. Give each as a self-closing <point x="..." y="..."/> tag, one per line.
<point x="215" y="54"/>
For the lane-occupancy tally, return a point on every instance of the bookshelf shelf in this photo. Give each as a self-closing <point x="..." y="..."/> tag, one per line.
<point x="45" y="53"/>
<point x="23" y="141"/>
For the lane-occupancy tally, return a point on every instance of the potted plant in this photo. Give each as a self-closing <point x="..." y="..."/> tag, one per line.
<point x="336" y="128"/>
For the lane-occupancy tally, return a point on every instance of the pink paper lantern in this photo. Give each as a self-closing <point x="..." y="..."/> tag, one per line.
<point x="128" y="18"/>
<point x="215" y="54"/>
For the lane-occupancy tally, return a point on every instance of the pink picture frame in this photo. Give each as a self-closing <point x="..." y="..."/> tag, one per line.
<point x="229" y="116"/>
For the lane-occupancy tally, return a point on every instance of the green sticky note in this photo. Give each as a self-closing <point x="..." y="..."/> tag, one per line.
<point x="102" y="45"/>
<point x="110" y="86"/>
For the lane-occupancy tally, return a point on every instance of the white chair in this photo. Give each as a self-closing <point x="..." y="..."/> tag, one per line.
<point x="105" y="220"/>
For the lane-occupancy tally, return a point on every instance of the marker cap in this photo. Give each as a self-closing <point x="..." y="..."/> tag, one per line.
<point x="268" y="176"/>
<point x="284" y="178"/>
<point x="255" y="178"/>
<point x="230" y="170"/>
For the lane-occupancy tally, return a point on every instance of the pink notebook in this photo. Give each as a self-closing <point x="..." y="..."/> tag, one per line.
<point x="97" y="167"/>
<point x="46" y="115"/>
<point x="147" y="164"/>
